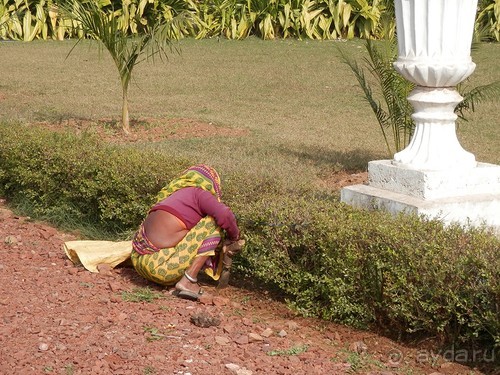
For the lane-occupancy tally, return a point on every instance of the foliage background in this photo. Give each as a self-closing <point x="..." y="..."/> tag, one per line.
<point x="234" y="19"/>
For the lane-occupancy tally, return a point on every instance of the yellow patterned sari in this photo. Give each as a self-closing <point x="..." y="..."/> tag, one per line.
<point x="166" y="266"/>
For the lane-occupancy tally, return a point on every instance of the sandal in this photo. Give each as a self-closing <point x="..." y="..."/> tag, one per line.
<point x="187" y="294"/>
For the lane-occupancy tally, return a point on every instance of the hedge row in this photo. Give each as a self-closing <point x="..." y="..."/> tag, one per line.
<point x="404" y="274"/>
<point x="69" y="175"/>
<point x="407" y="275"/>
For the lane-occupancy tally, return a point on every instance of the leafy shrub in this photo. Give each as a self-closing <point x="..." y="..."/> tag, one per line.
<point x="402" y="273"/>
<point x="236" y="19"/>
<point x="79" y="176"/>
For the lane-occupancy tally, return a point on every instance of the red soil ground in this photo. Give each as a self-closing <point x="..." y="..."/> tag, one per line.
<point x="58" y="318"/>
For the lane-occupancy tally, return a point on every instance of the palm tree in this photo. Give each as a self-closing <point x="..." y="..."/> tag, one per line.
<point x="127" y="51"/>
<point x="393" y="111"/>
<point x="387" y="92"/>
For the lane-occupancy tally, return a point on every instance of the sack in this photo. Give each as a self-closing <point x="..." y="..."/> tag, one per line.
<point x="92" y="253"/>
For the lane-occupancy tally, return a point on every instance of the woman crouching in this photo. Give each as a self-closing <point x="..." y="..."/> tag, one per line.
<point x="182" y="231"/>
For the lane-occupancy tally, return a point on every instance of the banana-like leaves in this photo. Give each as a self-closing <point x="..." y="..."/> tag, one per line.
<point x="487" y="25"/>
<point x="233" y="19"/>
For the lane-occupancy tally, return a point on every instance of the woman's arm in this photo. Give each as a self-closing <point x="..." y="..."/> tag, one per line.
<point x="224" y="217"/>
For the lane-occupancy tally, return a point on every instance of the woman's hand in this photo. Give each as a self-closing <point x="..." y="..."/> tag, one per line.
<point x="232" y="247"/>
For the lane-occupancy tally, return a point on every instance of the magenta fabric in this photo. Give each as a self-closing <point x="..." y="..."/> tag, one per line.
<point x="142" y="245"/>
<point x="191" y="204"/>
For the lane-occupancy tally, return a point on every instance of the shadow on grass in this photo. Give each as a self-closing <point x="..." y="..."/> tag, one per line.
<point x="62" y="119"/>
<point x="327" y="158"/>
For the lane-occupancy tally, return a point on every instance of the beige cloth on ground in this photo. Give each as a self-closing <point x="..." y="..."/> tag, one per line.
<point x="92" y="253"/>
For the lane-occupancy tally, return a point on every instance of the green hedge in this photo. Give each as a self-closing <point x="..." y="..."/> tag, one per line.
<point x="403" y="274"/>
<point x="77" y="175"/>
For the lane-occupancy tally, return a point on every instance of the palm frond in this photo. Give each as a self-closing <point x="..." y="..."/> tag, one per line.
<point x="393" y="111"/>
<point x="475" y="96"/>
<point x="394" y="89"/>
<point x="381" y="115"/>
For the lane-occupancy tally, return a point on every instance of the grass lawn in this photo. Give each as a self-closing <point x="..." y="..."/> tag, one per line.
<point x="300" y="105"/>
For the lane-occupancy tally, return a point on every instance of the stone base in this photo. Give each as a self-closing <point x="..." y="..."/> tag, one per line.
<point x="469" y="197"/>
<point x="484" y="179"/>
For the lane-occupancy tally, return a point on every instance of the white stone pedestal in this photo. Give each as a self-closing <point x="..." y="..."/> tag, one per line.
<point x="467" y="196"/>
<point x="433" y="175"/>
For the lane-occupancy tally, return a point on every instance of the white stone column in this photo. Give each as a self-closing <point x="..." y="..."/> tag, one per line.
<point x="434" y="40"/>
<point x="433" y="176"/>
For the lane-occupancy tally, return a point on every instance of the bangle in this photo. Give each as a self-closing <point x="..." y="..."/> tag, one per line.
<point x="192" y="279"/>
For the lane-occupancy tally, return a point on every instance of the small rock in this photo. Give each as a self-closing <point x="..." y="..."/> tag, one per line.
<point x="222" y="340"/>
<point x="237" y="370"/>
<point x="43" y="347"/>
<point x="220" y="301"/>
<point x="358" y="347"/>
<point x="244" y="371"/>
<point x="292" y="325"/>
<point x="267" y="332"/>
<point x="236" y="305"/>
<point x="60" y="346"/>
<point x="247" y="322"/>
<point x="282" y="333"/>
<point x="253" y="337"/>
<point x="45" y="234"/>
<point x="294" y="359"/>
<point x="114" y="286"/>
<point x="206" y="299"/>
<point x="73" y="271"/>
<point x="233" y="367"/>
<point x="242" y="340"/>
<point x="105" y="269"/>
<point x="204" y="320"/>
<point x="64" y="322"/>
<point x="122" y="316"/>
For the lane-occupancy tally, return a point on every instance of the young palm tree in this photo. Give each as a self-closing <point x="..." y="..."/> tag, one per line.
<point x="127" y="51"/>
<point x="393" y="111"/>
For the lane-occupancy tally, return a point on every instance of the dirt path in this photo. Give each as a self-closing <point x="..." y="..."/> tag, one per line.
<point x="58" y="318"/>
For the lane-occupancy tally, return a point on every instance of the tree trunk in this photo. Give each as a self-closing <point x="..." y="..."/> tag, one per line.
<point x="125" y="117"/>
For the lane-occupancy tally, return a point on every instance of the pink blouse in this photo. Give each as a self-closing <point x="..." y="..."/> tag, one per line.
<point x="191" y="204"/>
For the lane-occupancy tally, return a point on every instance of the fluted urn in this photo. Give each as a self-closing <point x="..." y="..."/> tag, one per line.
<point x="434" y="43"/>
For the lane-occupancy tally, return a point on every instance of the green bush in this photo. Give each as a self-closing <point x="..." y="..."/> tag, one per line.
<point x="78" y="176"/>
<point x="401" y="273"/>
